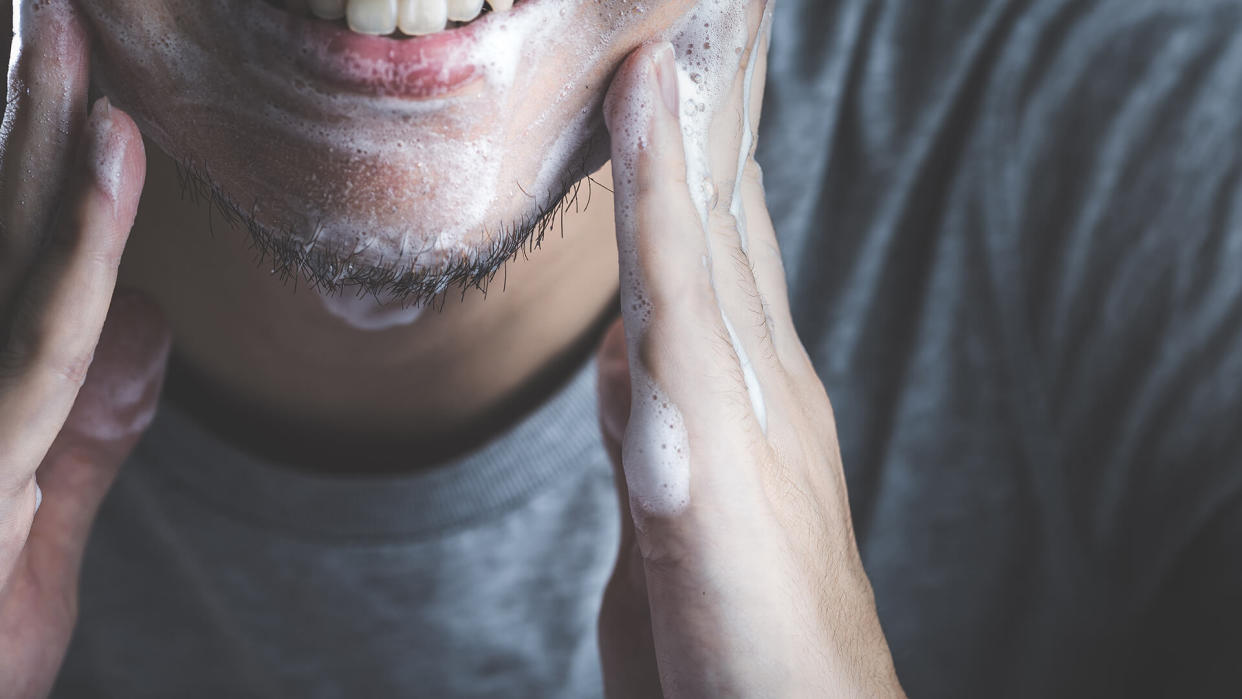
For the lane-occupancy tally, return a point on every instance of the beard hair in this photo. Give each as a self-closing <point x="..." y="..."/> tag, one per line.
<point x="329" y="271"/>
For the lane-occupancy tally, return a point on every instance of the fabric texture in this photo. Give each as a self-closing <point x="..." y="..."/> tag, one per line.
<point x="1013" y="233"/>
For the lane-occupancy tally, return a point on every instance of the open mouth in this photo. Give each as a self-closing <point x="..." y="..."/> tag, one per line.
<point x="415" y="49"/>
<point x="396" y="18"/>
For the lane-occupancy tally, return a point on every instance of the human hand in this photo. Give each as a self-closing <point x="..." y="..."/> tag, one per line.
<point x="69" y="189"/>
<point x="738" y="574"/>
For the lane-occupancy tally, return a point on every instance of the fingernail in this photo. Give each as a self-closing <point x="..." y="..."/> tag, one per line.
<point x="38" y="497"/>
<point x="105" y="152"/>
<point x="665" y="60"/>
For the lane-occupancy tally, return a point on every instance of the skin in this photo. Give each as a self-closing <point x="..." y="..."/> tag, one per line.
<point x="732" y="596"/>
<point x="75" y="434"/>
<point x="756" y="588"/>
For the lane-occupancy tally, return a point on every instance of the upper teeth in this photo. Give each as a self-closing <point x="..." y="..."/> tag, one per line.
<point x="413" y="17"/>
<point x="466" y="10"/>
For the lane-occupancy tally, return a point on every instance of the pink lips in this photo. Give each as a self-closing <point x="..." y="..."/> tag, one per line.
<point x="417" y="68"/>
<point x="427" y="67"/>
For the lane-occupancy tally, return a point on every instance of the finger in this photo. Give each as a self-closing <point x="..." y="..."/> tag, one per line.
<point x="685" y="379"/>
<point x="734" y="126"/>
<point x="614" y="396"/>
<point x="626" y="646"/>
<point x="44" y="111"/>
<point x="38" y="607"/>
<point x="613" y="389"/>
<point x="58" y="314"/>
<point x="745" y="233"/>
<point x="763" y="249"/>
<point x="113" y="409"/>
<point x="720" y="141"/>
<point x="626" y="642"/>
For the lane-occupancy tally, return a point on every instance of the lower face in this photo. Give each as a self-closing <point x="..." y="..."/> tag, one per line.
<point x="374" y="152"/>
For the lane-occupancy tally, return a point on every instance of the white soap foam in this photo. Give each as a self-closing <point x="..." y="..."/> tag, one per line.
<point x="655" y="451"/>
<point x="462" y="159"/>
<point x="106" y="153"/>
<point x="369" y="313"/>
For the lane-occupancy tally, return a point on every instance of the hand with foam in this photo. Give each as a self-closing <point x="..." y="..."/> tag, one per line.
<point x="69" y="187"/>
<point x="738" y="574"/>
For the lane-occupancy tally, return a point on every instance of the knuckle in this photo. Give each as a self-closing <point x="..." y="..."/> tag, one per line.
<point x="753" y="173"/>
<point x="665" y="548"/>
<point x="742" y="267"/>
<point x="724" y="204"/>
<point x="724" y="225"/>
<point x="679" y="298"/>
<point x="653" y="179"/>
<point x="71" y="367"/>
<point x="77" y="231"/>
<point x="27" y="352"/>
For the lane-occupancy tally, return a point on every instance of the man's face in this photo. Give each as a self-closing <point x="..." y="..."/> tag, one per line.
<point x="398" y="160"/>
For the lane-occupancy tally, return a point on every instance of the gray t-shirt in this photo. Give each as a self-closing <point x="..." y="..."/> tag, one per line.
<point x="1013" y="231"/>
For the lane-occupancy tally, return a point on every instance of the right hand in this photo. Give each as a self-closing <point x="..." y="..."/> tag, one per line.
<point x="69" y="188"/>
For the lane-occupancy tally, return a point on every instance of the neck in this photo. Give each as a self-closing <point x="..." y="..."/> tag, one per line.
<point x="271" y="366"/>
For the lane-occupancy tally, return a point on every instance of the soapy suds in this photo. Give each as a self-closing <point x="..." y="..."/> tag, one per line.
<point x="106" y="153"/>
<point x="369" y="313"/>
<point x="708" y="42"/>
<point x="462" y="177"/>
<point x="382" y="156"/>
<point x="451" y="153"/>
<point x="712" y="37"/>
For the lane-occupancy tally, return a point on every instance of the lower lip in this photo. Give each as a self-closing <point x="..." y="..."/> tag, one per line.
<point x="420" y="68"/>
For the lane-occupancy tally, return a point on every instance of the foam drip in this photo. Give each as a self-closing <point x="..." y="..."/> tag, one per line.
<point x="369" y="313"/>
<point x="709" y="42"/>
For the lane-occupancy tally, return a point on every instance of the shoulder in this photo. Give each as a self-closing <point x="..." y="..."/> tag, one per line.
<point x="1113" y="157"/>
<point x="1113" y="162"/>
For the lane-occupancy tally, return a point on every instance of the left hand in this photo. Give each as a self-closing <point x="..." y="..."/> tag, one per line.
<point x="738" y="574"/>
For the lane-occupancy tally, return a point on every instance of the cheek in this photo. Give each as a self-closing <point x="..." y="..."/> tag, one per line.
<point x="126" y="46"/>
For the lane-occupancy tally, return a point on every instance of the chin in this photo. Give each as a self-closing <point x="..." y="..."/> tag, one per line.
<point x="365" y="156"/>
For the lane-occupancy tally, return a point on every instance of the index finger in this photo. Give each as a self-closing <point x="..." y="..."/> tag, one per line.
<point x="744" y="235"/>
<point x="44" y="112"/>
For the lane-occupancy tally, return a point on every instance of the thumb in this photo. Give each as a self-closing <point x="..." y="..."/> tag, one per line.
<point x="614" y="390"/>
<point x="114" y="407"/>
